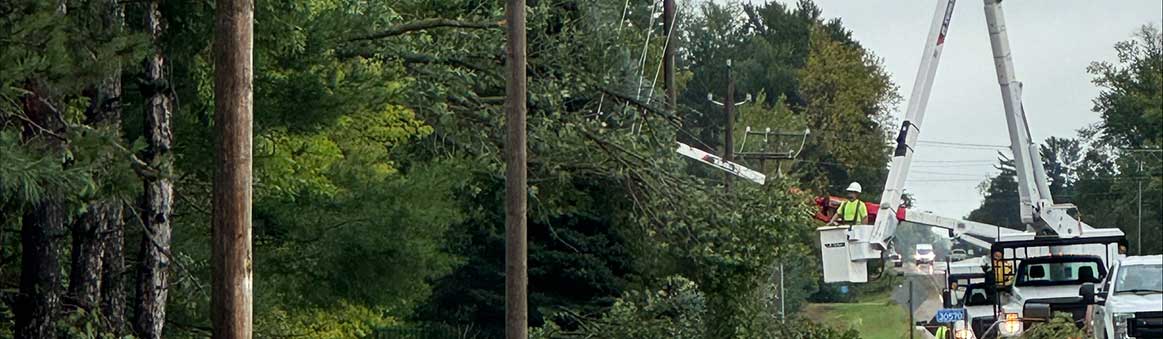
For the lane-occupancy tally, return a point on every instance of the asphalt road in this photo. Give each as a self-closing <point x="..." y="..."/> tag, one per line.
<point x="926" y="290"/>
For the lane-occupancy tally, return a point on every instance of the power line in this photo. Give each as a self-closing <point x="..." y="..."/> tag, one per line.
<point x="934" y="142"/>
<point x="992" y="161"/>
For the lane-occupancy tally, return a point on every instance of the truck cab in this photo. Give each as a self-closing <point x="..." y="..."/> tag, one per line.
<point x="1053" y="282"/>
<point x="1037" y="278"/>
<point x="1129" y="301"/>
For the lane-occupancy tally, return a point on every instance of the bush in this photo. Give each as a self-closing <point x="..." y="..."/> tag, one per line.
<point x="1060" y="327"/>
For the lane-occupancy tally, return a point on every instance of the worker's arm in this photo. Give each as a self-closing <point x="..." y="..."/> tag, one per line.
<point x="836" y="214"/>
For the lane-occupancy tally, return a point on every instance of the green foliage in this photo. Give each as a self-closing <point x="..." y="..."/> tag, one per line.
<point x="342" y="320"/>
<point x="1060" y="326"/>
<point x="1132" y="90"/>
<point x="674" y="311"/>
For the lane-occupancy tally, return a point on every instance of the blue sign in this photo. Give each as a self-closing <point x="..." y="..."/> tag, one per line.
<point x="949" y="315"/>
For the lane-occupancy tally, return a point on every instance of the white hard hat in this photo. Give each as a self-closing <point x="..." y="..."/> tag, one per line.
<point x="854" y="187"/>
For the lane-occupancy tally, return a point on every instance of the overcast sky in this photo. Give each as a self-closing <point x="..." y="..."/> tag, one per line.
<point x="1052" y="43"/>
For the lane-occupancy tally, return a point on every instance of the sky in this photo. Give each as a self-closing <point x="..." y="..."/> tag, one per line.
<point x="1052" y="44"/>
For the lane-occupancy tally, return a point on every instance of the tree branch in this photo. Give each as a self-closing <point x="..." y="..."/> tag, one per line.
<point x="754" y="19"/>
<point x="423" y="25"/>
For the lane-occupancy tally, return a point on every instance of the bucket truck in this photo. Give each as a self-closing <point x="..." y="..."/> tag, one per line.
<point x="1056" y="253"/>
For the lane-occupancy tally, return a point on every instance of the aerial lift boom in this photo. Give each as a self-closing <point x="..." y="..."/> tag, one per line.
<point x="848" y="249"/>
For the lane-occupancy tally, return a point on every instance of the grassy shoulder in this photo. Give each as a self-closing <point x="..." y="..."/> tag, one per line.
<point x="875" y="316"/>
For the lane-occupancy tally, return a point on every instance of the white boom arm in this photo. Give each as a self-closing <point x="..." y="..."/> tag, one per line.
<point x="846" y="250"/>
<point x="1038" y="210"/>
<point x="902" y="157"/>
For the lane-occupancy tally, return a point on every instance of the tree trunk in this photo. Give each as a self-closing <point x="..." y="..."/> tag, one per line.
<point x="113" y="276"/>
<point x="89" y="231"/>
<point x="85" y="273"/>
<point x="153" y="278"/>
<point x="39" y="302"/>
<point x="42" y="228"/>
<point x="231" y="257"/>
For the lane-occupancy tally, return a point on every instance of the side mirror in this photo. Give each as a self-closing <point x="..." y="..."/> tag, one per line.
<point x="1087" y="293"/>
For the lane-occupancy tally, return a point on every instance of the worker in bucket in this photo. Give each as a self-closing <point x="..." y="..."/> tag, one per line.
<point x="852" y="211"/>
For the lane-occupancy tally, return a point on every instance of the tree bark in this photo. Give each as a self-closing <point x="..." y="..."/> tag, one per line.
<point x="231" y="260"/>
<point x="85" y="272"/>
<point x="103" y="215"/>
<point x="113" y="296"/>
<point x="516" y="191"/>
<point x="38" y="305"/>
<point x="42" y="228"/>
<point x="157" y="209"/>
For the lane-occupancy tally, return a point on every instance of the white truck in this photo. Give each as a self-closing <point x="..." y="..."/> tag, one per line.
<point x="1129" y="302"/>
<point x="924" y="255"/>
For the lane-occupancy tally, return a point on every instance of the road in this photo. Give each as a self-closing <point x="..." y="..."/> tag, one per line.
<point x="926" y="290"/>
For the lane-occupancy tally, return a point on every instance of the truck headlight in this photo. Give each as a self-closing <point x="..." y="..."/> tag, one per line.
<point x="1119" y="322"/>
<point x="1011" y="326"/>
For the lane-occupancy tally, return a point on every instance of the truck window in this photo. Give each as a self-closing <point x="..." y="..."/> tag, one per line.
<point x="1065" y="272"/>
<point x="976" y="295"/>
<point x="1140" y="278"/>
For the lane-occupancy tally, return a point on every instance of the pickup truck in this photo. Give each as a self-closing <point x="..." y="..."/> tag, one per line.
<point x="1045" y="285"/>
<point x="1129" y="302"/>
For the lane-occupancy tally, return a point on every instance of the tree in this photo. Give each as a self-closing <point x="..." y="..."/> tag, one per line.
<point x="157" y="210"/>
<point x="1062" y="158"/>
<point x="1131" y="91"/>
<point x="1108" y="188"/>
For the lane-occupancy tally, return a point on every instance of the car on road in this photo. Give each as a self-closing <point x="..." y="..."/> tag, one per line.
<point x="1129" y="301"/>
<point x="896" y="260"/>
<point x="958" y="254"/>
<point x="924" y="254"/>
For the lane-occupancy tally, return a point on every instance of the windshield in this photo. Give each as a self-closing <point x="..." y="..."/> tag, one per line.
<point x="1066" y="272"/>
<point x="976" y="295"/>
<point x="1140" y="278"/>
<point x="924" y="251"/>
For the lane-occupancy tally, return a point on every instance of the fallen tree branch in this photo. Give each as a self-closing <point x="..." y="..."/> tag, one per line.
<point x="423" y="25"/>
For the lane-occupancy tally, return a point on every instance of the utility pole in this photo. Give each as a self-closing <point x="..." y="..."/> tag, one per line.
<point x="729" y="112"/>
<point x="1139" y="196"/>
<point x="912" y="329"/>
<point x="516" y="280"/>
<point x="231" y="261"/>
<point x="1139" y="232"/>
<point x="782" y="295"/>
<point x="668" y="16"/>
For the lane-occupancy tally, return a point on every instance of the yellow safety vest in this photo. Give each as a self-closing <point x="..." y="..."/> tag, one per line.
<point x="853" y="211"/>
<point x="941" y="332"/>
<point x="1003" y="273"/>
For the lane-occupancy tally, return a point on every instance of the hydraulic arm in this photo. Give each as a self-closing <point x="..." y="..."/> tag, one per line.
<point x="848" y="249"/>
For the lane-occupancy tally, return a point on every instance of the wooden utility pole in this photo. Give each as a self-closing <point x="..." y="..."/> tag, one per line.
<point x="729" y="138"/>
<point x="232" y="280"/>
<point x="516" y="280"/>
<point x="668" y="16"/>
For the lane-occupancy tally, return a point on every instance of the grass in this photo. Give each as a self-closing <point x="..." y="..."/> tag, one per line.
<point x="876" y="317"/>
